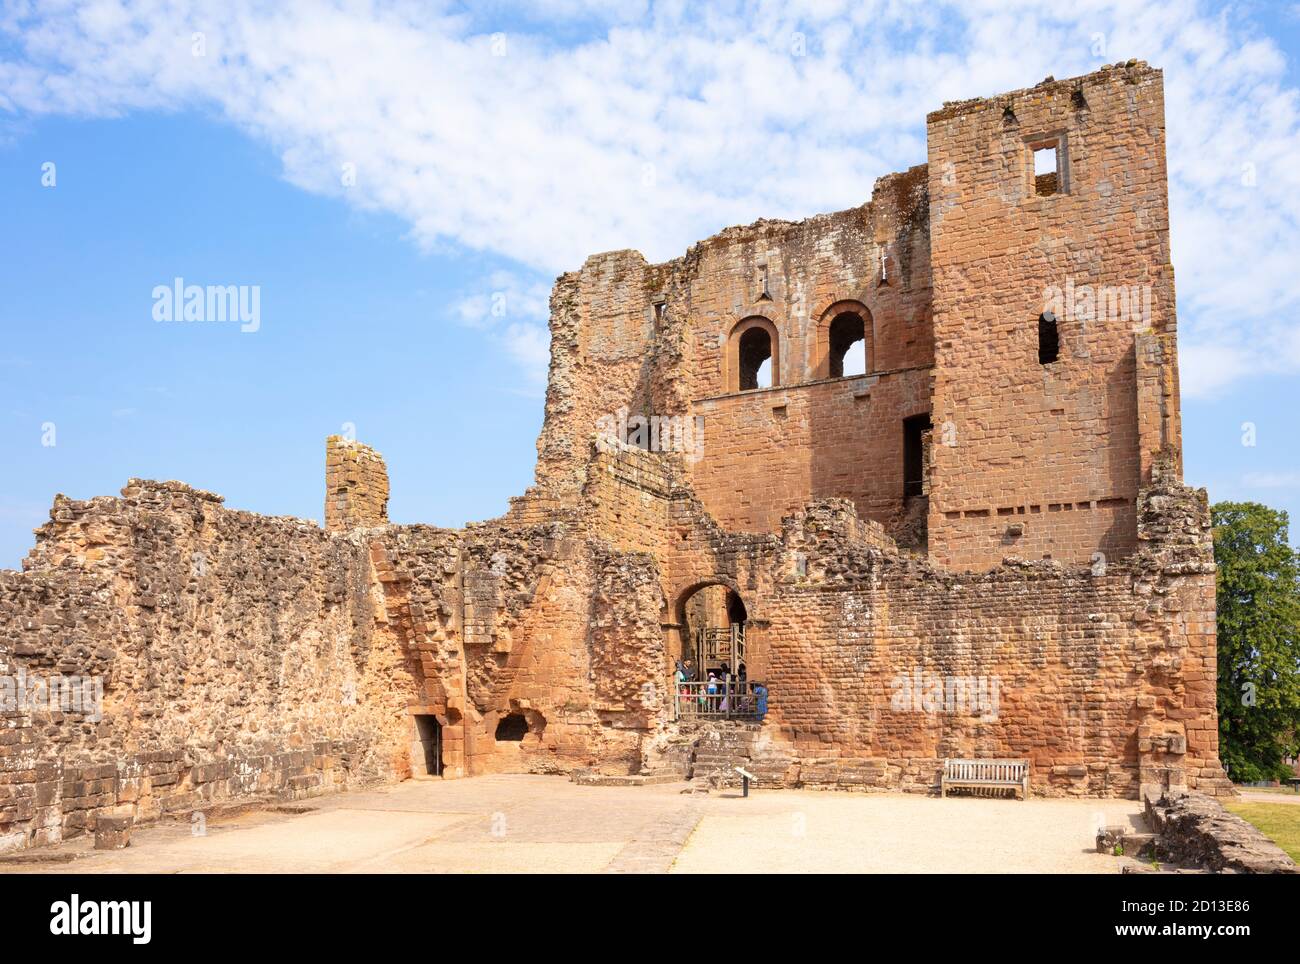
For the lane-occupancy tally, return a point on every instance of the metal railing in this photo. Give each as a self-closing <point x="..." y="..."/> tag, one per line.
<point x="737" y="700"/>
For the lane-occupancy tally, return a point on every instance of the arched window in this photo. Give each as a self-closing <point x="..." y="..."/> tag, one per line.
<point x="1049" y="339"/>
<point x="754" y="358"/>
<point x="848" y="345"/>
<point x="845" y="341"/>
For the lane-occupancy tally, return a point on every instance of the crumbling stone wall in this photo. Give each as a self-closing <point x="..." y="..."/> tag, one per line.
<point x="248" y="658"/>
<point x="1197" y="832"/>
<point x="1026" y="576"/>
<point x="234" y="651"/>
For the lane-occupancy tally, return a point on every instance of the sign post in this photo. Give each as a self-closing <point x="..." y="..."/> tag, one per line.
<point x="745" y="777"/>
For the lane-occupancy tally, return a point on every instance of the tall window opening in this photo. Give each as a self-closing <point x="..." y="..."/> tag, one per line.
<point x="914" y="429"/>
<point x="848" y="345"/>
<point x="755" y="357"/>
<point x="1049" y="339"/>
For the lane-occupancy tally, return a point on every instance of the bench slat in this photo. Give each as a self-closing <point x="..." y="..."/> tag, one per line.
<point x="986" y="773"/>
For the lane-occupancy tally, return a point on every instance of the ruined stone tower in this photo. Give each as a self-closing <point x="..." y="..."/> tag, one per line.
<point x="356" y="485"/>
<point x="914" y="467"/>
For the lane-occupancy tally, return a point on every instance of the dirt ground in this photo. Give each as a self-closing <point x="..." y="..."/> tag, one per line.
<point x="546" y="824"/>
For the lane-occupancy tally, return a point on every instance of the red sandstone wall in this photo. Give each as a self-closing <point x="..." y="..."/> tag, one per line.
<point x="769" y="452"/>
<point x="235" y="652"/>
<point x="654" y="340"/>
<point x="1019" y="434"/>
<point x="1056" y="647"/>
<point x="1104" y="679"/>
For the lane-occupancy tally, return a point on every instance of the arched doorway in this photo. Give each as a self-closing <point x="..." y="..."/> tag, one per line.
<point x="711" y="669"/>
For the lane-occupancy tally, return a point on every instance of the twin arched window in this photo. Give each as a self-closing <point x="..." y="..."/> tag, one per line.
<point x="844" y="341"/>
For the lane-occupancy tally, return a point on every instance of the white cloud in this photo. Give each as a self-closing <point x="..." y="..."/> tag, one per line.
<point x="652" y="128"/>
<point x="502" y="295"/>
<point x="513" y="312"/>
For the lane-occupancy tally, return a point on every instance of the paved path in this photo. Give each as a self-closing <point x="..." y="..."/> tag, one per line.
<point x="546" y="824"/>
<point x="1264" y="796"/>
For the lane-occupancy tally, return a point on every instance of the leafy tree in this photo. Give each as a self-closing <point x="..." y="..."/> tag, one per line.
<point x="1259" y="640"/>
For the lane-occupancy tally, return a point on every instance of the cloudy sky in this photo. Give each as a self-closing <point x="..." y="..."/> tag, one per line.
<point x="403" y="181"/>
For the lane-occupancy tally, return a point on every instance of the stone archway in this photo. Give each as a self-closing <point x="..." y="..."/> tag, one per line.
<point x="708" y="651"/>
<point x="712" y="605"/>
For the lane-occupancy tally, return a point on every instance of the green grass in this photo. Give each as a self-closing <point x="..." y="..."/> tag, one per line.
<point x="1278" y="821"/>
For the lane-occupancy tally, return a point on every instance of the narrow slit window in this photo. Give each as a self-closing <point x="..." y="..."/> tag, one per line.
<point x="1049" y="339"/>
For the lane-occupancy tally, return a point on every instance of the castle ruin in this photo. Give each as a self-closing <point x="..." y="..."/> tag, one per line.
<point x="913" y="466"/>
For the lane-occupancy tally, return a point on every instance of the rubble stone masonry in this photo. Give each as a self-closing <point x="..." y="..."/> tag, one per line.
<point x="356" y="485"/>
<point x="972" y="548"/>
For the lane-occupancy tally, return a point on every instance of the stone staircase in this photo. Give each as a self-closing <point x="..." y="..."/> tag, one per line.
<point x="719" y="748"/>
<point x="707" y="754"/>
<point x="712" y="751"/>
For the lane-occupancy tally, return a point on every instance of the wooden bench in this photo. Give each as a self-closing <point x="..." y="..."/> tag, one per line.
<point x="1012" y="774"/>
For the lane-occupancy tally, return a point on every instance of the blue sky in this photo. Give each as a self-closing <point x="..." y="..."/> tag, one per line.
<point x="491" y="151"/>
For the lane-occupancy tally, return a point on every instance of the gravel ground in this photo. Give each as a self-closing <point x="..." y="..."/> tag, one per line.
<point x="548" y="825"/>
<point x="791" y="831"/>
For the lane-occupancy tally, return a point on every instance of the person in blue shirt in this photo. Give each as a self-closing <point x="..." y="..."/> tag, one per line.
<point x="760" y="693"/>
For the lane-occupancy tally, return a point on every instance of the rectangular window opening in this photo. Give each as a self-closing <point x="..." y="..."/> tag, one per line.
<point x="1049" y="339"/>
<point x="914" y="430"/>
<point x="1047" y="168"/>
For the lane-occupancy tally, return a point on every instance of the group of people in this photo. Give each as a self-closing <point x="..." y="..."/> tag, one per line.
<point x="722" y="691"/>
